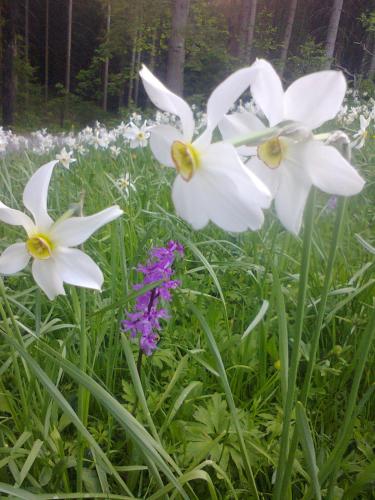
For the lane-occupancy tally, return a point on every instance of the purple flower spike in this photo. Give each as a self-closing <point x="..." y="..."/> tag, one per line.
<point x="148" y="311"/>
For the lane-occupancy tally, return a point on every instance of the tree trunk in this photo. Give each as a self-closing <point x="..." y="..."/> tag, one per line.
<point x="27" y="38"/>
<point x="9" y="53"/>
<point x="233" y="15"/>
<point x="250" y="33"/>
<point x="69" y="48"/>
<point x="121" y="96"/>
<point x="132" y="69"/>
<point x="27" y="30"/>
<point x="244" y="27"/>
<point x="46" y="53"/>
<point x="288" y="34"/>
<point x="371" y="71"/>
<point x="153" y="50"/>
<point x="332" y="31"/>
<point x="176" y="52"/>
<point x="136" y="85"/>
<point x="106" y="63"/>
<point x="365" y="54"/>
<point x="68" y="63"/>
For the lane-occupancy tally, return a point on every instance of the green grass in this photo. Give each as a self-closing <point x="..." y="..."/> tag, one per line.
<point x="209" y="416"/>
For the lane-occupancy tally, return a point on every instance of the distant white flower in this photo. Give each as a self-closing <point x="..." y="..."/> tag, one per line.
<point x="81" y="150"/>
<point x="115" y="151"/>
<point x="289" y="166"/>
<point x="65" y="158"/>
<point x="49" y="243"/>
<point x="138" y="136"/>
<point x="99" y="140"/>
<point x="136" y="118"/>
<point x="3" y="144"/>
<point x="124" y="184"/>
<point x="362" y="134"/>
<point x="212" y="183"/>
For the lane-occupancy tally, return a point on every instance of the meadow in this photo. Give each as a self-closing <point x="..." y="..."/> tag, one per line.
<point x="82" y="415"/>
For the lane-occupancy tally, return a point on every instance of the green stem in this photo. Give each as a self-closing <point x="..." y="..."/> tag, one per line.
<point x="38" y="312"/>
<point x="318" y="327"/>
<point x="359" y="362"/>
<point x="283" y="335"/>
<point x="300" y="313"/>
<point x="83" y="395"/>
<point x="323" y="301"/>
<point x="255" y="139"/>
<point x="139" y="370"/>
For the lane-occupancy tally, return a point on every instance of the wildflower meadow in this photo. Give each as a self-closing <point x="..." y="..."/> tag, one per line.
<point x="175" y="333"/>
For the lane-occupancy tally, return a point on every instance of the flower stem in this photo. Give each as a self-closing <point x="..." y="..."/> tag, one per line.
<point x="318" y="327"/>
<point x="83" y="394"/>
<point x="139" y="362"/>
<point x="255" y="139"/>
<point x="38" y="312"/>
<point x="293" y="370"/>
<point x="140" y="353"/>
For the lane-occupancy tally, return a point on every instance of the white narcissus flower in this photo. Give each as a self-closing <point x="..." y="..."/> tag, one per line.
<point x="212" y="182"/>
<point x="65" y="158"/>
<point x="125" y="183"/>
<point x="115" y="151"/>
<point x="290" y="166"/>
<point x="49" y="243"/>
<point x="138" y="136"/>
<point x="362" y="134"/>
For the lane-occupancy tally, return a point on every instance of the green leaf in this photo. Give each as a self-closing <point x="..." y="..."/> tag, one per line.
<point x="308" y="447"/>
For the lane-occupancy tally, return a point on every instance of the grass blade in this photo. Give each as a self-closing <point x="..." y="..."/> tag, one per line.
<point x="308" y="447"/>
<point x="65" y="406"/>
<point x="228" y="393"/>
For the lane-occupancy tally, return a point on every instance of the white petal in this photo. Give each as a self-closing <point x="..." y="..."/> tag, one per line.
<point x="189" y="200"/>
<point x="363" y="122"/>
<point x="225" y="94"/>
<point x="46" y="275"/>
<point x="267" y="91"/>
<point x="222" y="158"/>
<point x="166" y="100"/>
<point x="291" y="197"/>
<point x="237" y="125"/>
<point x="36" y="192"/>
<point x="77" y="268"/>
<point x="269" y="176"/>
<point x="329" y="171"/>
<point x="316" y="98"/>
<point x="228" y="208"/>
<point x="16" y="218"/>
<point x="76" y="230"/>
<point x="161" y="140"/>
<point x="223" y="191"/>
<point x="14" y="258"/>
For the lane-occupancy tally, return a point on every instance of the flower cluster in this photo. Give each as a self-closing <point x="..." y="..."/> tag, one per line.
<point x="148" y="308"/>
<point x="270" y="152"/>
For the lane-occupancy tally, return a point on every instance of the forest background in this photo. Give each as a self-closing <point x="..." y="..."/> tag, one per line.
<point x="67" y="62"/>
